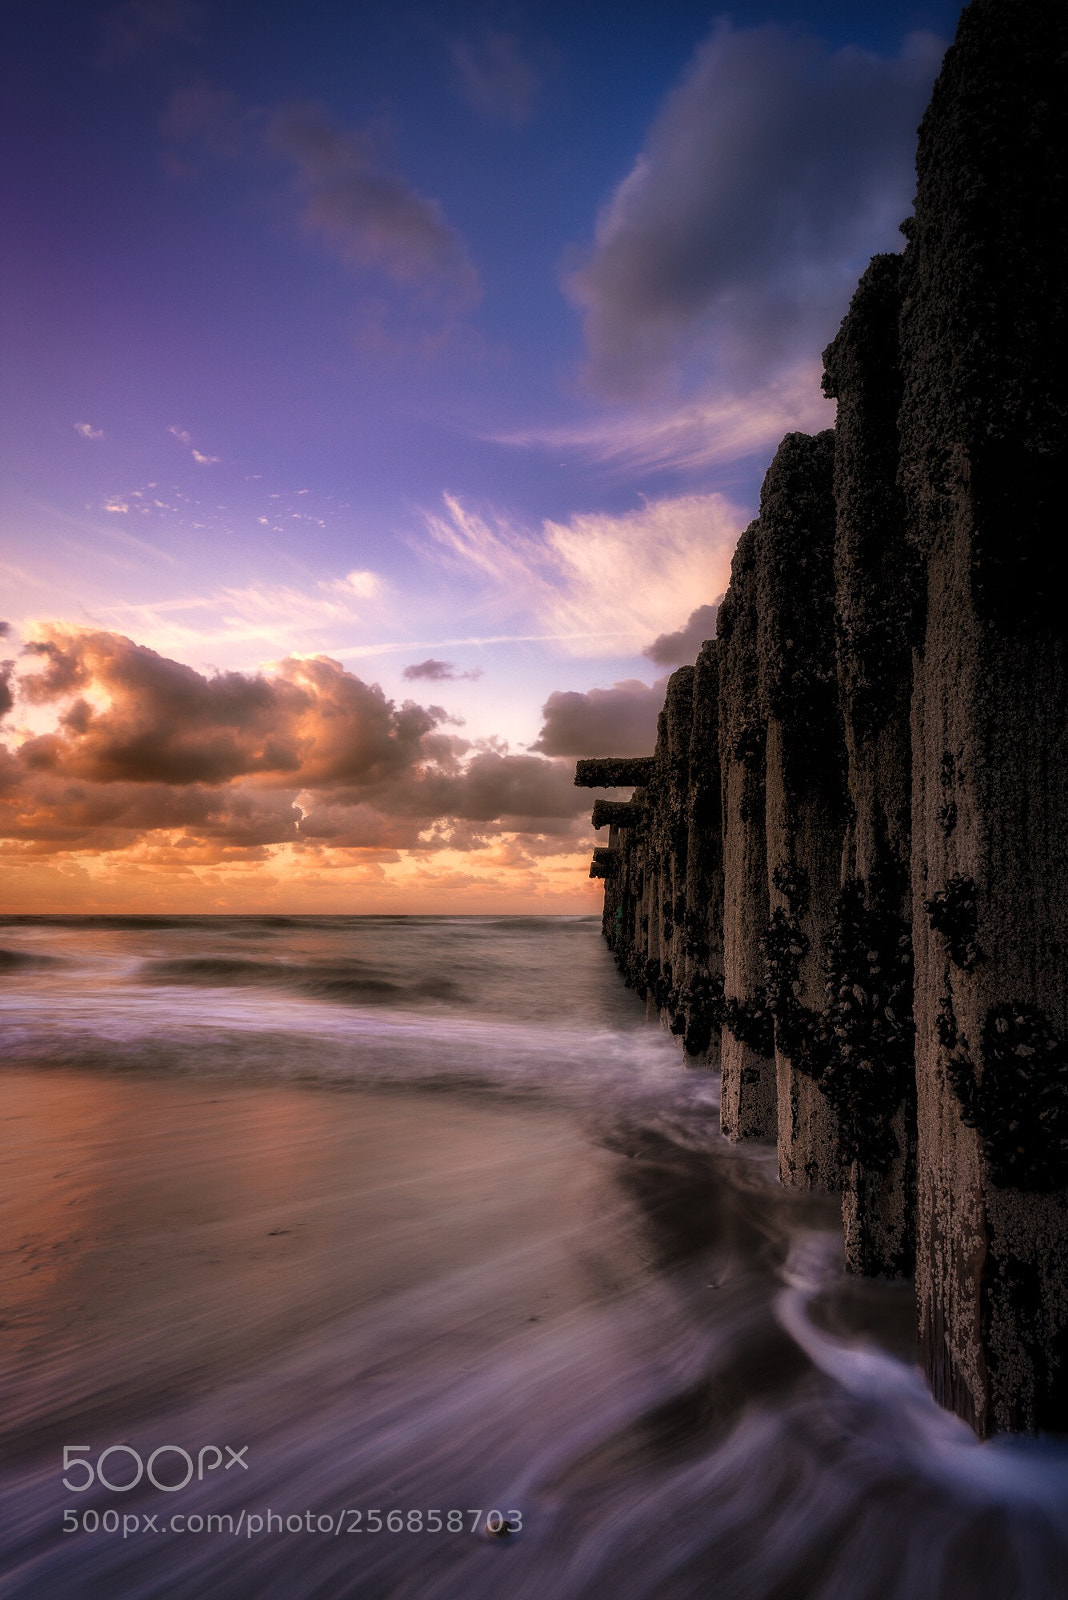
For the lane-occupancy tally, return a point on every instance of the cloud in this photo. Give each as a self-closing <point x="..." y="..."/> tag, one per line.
<point x="185" y="438"/>
<point x="139" y="29"/>
<point x="680" y="648"/>
<point x="365" y="585"/>
<point x="7" y="695"/>
<point x="49" y="815"/>
<point x="279" y="614"/>
<point x="212" y="118"/>
<point x="87" y="430"/>
<point x="438" y="671"/>
<point x="496" y="79"/>
<point x="620" y="721"/>
<point x="350" y="196"/>
<point x="691" y="434"/>
<point x="769" y="176"/>
<point x="144" y="747"/>
<point x="371" y="216"/>
<point x="604" y="583"/>
<point x="516" y="788"/>
<point x="151" y="719"/>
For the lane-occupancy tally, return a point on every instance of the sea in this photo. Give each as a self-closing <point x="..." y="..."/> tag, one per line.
<point x="403" y="1257"/>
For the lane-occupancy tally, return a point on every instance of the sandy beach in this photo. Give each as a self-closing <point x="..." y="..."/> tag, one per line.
<point x="164" y="1238"/>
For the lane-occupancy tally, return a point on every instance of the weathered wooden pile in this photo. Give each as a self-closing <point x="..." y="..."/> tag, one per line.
<point x="842" y="878"/>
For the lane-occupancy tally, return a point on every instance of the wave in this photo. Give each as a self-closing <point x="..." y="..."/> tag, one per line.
<point x="351" y="982"/>
<point x="25" y="960"/>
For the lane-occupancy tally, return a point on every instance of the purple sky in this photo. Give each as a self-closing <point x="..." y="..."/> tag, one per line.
<point x="449" y="343"/>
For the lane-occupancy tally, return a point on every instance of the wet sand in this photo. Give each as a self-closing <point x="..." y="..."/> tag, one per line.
<point x="409" y="1299"/>
<point x="161" y="1239"/>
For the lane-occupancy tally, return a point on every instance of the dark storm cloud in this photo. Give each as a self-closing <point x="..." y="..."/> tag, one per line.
<point x="438" y="671"/>
<point x="369" y="214"/>
<point x="770" y="175"/>
<point x="680" y="649"/>
<point x="620" y="721"/>
<point x="496" y="79"/>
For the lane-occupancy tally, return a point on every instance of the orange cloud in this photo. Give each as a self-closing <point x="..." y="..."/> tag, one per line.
<point x="292" y="787"/>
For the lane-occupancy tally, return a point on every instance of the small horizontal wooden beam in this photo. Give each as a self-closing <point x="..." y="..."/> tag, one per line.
<point x="604" y="863"/>
<point x="618" y="813"/>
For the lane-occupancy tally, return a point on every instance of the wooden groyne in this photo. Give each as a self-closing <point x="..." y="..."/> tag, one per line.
<point x="842" y="877"/>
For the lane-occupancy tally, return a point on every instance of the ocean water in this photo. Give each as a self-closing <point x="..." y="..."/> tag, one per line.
<point x="427" y="1229"/>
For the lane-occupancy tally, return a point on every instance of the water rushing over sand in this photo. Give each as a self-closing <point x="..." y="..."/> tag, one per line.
<point x="424" y="1213"/>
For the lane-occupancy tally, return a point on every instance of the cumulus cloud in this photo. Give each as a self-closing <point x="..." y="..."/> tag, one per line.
<point x="438" y="671"/>
<point x="156" y="720"/>
<point x="620" y="721"/>
<point x="769" y="176"/>
<point x="308" y="755"/>
<point x="680" y="648"/>
<point x="600" y="582"/>
<point x="499" y="787"/>
<point x="496" y="79"/>
<point x="7" y="694"/>
<point x="46" y="815"/>
<point x="87" y="430"/>
<point x="370" y="215"/>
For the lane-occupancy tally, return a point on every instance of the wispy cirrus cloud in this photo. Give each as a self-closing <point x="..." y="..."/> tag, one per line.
<point x="278" y="617"/>
<point x="606" y="583"/>
<point x="87" y="430"/>
<point x="689" y="435"/>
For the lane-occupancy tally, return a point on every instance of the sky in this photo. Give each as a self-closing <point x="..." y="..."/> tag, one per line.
<point x="384" y="391"/>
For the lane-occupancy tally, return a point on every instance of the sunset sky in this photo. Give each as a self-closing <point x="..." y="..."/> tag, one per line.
<point x="383" y="387"/>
